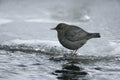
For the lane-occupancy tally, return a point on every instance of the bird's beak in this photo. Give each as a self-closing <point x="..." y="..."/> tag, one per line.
<point x="53" y="28"/>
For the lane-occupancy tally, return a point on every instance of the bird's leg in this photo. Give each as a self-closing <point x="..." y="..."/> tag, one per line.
<point x="73" y="53"/>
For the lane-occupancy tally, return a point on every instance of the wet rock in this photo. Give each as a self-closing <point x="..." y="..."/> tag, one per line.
<point x="36" y="64"/>
<point x="70" y="72"/>
<point x="22" y="65"/>
<point x="98" y="68"/>
<point x="72" y="67"/>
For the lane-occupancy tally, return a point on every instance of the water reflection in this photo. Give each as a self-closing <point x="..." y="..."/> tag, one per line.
<point x="71" y="71"/>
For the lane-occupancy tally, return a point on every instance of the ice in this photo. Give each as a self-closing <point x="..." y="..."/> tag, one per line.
<point x="116" y="45"/>
<point x="31" y="42"/>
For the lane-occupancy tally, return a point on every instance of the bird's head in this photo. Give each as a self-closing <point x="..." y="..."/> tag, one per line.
<point x="60" y="27"/>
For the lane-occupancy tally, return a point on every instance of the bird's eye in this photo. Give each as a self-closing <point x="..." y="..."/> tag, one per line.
<point x="60" y="27"/>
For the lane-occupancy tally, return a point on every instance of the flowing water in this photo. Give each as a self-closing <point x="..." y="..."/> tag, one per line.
<point x="29" y="50"/>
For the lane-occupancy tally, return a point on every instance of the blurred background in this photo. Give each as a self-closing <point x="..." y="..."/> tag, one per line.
<point x="32" y="19"/>
<point x="25" y="26"/>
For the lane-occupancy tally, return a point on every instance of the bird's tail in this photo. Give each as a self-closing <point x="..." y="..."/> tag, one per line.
<point x="95" y="35"/>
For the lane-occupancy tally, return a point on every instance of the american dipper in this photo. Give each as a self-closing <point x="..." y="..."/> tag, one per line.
<point x="73" y="37"/>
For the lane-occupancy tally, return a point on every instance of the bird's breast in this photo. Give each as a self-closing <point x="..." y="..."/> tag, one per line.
<point x="73" y="45"/>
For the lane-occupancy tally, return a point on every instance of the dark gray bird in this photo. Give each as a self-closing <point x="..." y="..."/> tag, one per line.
<point x="73" y="37"/>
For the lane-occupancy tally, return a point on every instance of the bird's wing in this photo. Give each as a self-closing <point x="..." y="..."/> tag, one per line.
<point x="75" y="34"/>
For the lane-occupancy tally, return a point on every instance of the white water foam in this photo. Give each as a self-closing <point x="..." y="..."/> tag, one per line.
<point x="31" y="42"/>
<point x="44" y="45"/>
